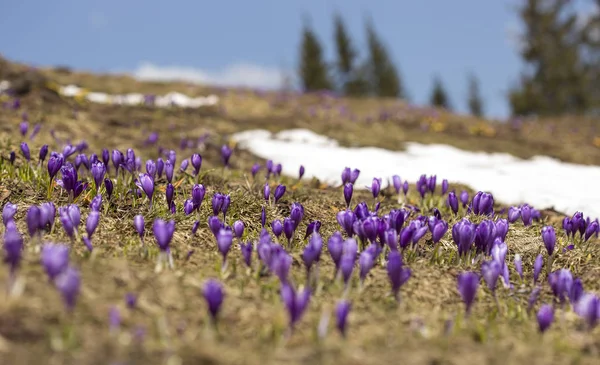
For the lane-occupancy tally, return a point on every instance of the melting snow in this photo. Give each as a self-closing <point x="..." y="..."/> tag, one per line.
<point x="170" y="99"/>
<point x="541" y="181"/>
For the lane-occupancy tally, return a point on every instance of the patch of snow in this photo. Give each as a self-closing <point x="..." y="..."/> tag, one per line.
<point x="541" y="181"/>
<point x="170" y="99"/>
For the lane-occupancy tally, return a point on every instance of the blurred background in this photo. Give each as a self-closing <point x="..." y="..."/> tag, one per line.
<point x="491" y="58"/>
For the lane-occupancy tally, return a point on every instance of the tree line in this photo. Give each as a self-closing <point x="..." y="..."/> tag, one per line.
<point x="372" y="74"/>
<point x="560" y="49"/>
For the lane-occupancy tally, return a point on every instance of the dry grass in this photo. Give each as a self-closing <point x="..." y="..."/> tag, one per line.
<point x="171" y="311"/>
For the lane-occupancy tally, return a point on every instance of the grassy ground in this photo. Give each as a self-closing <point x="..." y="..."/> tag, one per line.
<point x="171" y="312"/>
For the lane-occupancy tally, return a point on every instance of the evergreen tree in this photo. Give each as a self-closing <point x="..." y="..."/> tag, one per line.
<point x="475" y="103"/>
<point x="313" y="72"/>
<point x="439" y="97"/>
<point x="351" y="78"/>
<point x="555" y="81"/>
<point x="383" y="75"/>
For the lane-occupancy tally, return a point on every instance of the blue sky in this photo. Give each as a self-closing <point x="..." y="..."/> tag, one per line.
<point x="248" y="42"/>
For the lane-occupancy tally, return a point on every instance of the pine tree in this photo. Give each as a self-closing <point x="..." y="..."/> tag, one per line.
<point x="439" y="97"/>
<point x="555" y="81"/>
<point x="475" y="103"/>
<point x="383" y="75"/>
<point x="313" y="72"/>
<point x="351" y="77"/>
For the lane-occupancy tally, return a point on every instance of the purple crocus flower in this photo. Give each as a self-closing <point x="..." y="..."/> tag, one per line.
<point x="108" y="184"/>
<point x="342" y="310"/>
<point x="198" y="192"/>
<point x="24" y="127"/>
<point x="444" y="186"/>
<point x="217" y="203"/>
<point x="439" y="230"/>
<point x="346" y="172"/>
<point x="354" y="175"/>
<point x="13" y="248"/>
<point x="213" y="294"/>
<point x="184" y="165"/>
<point x="151" y="168"/>
<point x="514" y="213"/>
<point x="247" y="252"/>
<point x="255" y="169"/>
<point x="25" y="151"/>
<point x="296" y="214"/>
<point x="592" y="229"/>
<point x="526" y="214"/>
<point x="163" y="233"/>
<point x="8" y="212"/>
<point x="348" y="189"/>
<point x="68" y="283"/>
<point x="54" y="258"/>
<point x="405" y="187"/>
<point x="346" y="219"/>
<point x="169" y="192"/>
<point x="545" y="317"/>
<point x="138" y="223"/>
<point x="468" y="283"/>
<point x="226" y="154"/>
<point x="263" y="217"/>
<point x="215" y="224"/>
<point x="490" y="270"/>
<point x="301" y="172"/>
<point x="376" y="187"/>
<point x="561" y="281"/>
<point x="266" y="191"/>
<point x="397" y="273"/>
<point x="188" y="206"/>
<point x="238" y="228"/>
<point x="224" y="242"/>
<point x="576" y="291"/>
<point x="295" y="302"/>
<point x="169" y="169"/>
<point x="43" y="153"/>
<point x="365" y="264"/>
<point x="98" y="171"/>
<point x="397" y="183"/>
<point x="33" y="220"/>
<point x="12" y="157"/>
<point x="277" y="227"/>
<point x="54" y="164"/>
<point x="288" y="228"/>
<point x="453" y="202"/>
<point x="483" y="204"/>
<point x="537" y="267"/>
<point x="588" y="308"/>
<point x="463" y="234"/>
<point x="519" y="265"/>
<point x="549" y="238"/>
<point x="313" y="227"/>
<point x="279" y="191"/>
<point x="160" y="166"/>
<point x="196" y="163"/>
<point x="226" y="203"/>
<point x="92" y="223"/>
<point x="146" y="183"/>
<point x="335" y="246"/>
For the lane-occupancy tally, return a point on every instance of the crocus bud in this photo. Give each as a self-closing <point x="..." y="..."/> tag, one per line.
<point x="226" y="154"/>
<point x="138" y="223"/>
<point x="444" y="186"/>
<point x="196" y="163"/>
<point x="341" y="314"/>
<point x="279" y="191"/>
<point x="92" y="223"/>
<point x="43" y="153"/>
<point x="545" y="317"/>
<point x="255" y="169"/>
<point x="453" y="202"/>
<point x="376" y="187"/>
<point x="25" y="151"/>
<point x="348" y="189"/>
<point x="224" y="241"/>
<point x="238" y="228"/>
<point x="549" y="238"/>
<point x="397" y="183"/>
<point x="266" y="191"/>
<point x="301" y="172"/>
<point x="468" y="283"/>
